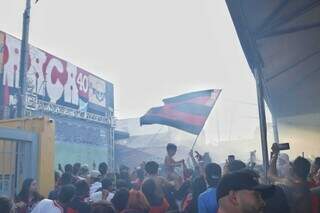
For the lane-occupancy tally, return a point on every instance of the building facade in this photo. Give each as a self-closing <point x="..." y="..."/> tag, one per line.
<point x="80" y="103"/>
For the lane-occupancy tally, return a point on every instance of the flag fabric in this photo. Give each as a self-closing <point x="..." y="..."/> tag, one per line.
<point x="187" y="112"/>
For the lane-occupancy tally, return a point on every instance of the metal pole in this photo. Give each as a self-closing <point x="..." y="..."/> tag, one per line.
<point x="275" y="129"/>
<point x="24" y="60"/>
<point x="262" y="120"/>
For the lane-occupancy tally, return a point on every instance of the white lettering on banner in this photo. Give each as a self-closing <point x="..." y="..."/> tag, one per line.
<point x="54" y="89"/>
<point x="83" y="82"/>
<point x="58" y="109"/>
<point x="71" y="94"/>
<point x="35" y="75"/>
<point x="11" y="68"/>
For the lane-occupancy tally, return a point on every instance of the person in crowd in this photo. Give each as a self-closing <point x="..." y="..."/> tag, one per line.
<point x="122" y="184"/>
<point x="295" y="185"/>
<point x="240" y="192"/>
<point x="103" y="169"/>
<point x="137" y="203"/>
<point x="314" y="173"/>
<point x="158" y="204"/>
<point x="207" y="202"/>
<point x="164" y="188"/>
<point x="283" y="165"/>
<point x="65" y="179"/>
<point x="6" y="205"/>
<point x="190" y="203"/>
<point x="137" y="178"/>
<point x="102" y="207"/>
<point x="84" y="171"/>
<point x="105" y="193"/>
<point x="57" y="206"/>
<point x="170" y="165"/>
<point x="120" y="200"/>
<point x="233" y="166"/>
<point x="94" y="181"/>
<point x="69" y="169"/>
<point x="76" y="171"/>
<point x="125" y="175"/>
<point x="28" y="197"/>
<point x="80" y="201"/>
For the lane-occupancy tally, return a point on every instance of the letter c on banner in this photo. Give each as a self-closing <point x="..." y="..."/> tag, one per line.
<point x="54" y="74"/>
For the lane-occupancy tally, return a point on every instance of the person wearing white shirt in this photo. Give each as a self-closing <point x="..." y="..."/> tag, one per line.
<point x="56" y="206"/>
<point x="105" y="193"/>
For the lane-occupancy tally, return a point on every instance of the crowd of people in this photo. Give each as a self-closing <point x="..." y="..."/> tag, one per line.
<point x="206" y="187"/>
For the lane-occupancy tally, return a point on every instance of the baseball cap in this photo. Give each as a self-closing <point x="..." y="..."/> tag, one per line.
<point x="243" y="180"/>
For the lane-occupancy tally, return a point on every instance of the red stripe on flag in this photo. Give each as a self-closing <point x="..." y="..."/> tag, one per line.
<point x="181" y="116"/>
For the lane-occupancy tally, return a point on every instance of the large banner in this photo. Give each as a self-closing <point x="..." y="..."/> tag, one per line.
<point x="53" y="85"/>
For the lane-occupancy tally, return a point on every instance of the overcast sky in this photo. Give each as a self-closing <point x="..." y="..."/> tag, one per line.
<point x="149" y="50"/>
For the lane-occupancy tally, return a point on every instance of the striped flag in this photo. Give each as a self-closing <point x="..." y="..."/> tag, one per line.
<point x="187" y="112"/>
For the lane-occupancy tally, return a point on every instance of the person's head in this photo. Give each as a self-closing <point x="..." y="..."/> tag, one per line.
<point x="122" y="184"/>
<point x="29" y="188"/>
<point x="315" y="166"/>
<point x="68" y="168"/>
<point x="234" y="166"/>
<point x="212" y="174"/>
<point x="301" y="168"/>
<point x="103" y="168"/>
<point x="66" y="178"/>
<point x="138" y="201"/>
<point x="107" y="184"/>
<point x="6" y="205"/>
<point x="171" y="149"/>
<point x="102" y="207"/>
<point x="66" y="193"/>
<point x="95" y="176"/>
<point x="283" y="165"/>
<point x="84" y="171"/>
<point x="240" y="192"/>
<point x="120" y="199"/>
<point x="149" y="190"/>
<point x="152" y="168"/>
<point x="82" y="189"/>
<point x="76" y="169"/>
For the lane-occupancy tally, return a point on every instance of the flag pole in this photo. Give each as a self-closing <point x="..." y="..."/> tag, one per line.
<point x="195" y="141"/>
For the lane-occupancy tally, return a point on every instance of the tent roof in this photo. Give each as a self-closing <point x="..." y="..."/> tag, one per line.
<point x="282" y="37"/>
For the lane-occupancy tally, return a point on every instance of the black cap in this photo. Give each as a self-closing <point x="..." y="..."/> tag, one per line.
<point x="243" y="180"/>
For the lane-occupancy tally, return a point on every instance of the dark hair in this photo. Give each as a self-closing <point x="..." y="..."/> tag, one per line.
<point x="317" y="161"/>
<point x="76" y="168"/>
<point x="151" y="167"/>
<point x="66" y="178"/>
<point x="122" y="184"/>
<point x="102" y="207"/>
<point x="24" y="193"/>
<point x="213" y="174"/>
<point x="82" y="188"/>
<point x="120" y="199"/>
<point x="68" y="168"/>
<point x="236" y="165"/>
<point x="106" y="183"/>
<point x="66" y="193"/>
<point x="198" y="186"/>
<point x="149" y="190"/>
<point x="171" y="146"/>
<point x="301" y="167"/>
<point x="5" y="205"/>
<point x="103" y="168"/>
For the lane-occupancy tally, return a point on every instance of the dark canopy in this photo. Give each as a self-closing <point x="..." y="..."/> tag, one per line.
<point x="282" y="37"/>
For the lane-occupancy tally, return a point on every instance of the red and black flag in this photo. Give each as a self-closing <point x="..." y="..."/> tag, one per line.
<point x="187" y="112"/>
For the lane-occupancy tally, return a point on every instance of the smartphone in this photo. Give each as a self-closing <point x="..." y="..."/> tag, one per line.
<point x="283" y="146"/>
<point x="231" y="158"/>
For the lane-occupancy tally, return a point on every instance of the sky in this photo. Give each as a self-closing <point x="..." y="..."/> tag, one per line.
<point x="149" y="50"/>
